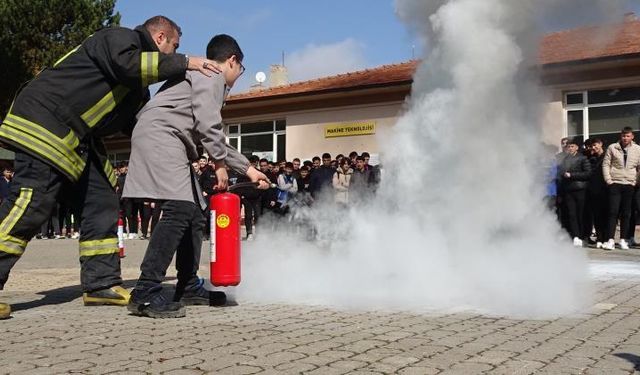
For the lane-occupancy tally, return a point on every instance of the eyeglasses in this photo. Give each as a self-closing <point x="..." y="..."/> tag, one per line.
<point x="242" y="68"/>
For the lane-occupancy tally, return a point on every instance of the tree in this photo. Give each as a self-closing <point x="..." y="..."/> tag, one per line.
<point x="34" y="34"/>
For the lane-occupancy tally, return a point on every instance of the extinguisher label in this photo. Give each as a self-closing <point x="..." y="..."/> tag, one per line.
<point x="223" y="221"/>
<point x="212" y="242"/>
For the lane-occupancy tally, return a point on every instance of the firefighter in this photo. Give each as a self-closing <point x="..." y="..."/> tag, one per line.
<point x="55" y="126"/>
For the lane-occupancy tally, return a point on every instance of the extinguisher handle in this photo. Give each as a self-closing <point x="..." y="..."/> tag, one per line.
<point x="248" y="184"/>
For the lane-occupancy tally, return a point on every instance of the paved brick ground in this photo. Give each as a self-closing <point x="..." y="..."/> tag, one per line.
<point x="51" y="332"/>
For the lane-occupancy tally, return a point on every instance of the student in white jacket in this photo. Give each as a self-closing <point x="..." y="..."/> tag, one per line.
<point x="287" y="186"/>
<point x="341" y="180"/>
<point x="620" y="171"/>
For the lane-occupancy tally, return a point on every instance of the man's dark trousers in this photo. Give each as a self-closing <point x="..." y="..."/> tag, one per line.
<point x="574" y="205"/>
<point x="132" y="208"/>
<point x="251" y="210"/>
<point x="597" y="215"/>
<point x="620" y="201"/>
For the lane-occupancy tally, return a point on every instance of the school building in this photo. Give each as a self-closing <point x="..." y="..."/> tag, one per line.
<point x="592" y="75"/>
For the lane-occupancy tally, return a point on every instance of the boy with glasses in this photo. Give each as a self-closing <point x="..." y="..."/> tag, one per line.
<point x="184" y="114"/>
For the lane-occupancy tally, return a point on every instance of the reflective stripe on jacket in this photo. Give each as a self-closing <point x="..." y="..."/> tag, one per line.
<point x="94" y="90"/>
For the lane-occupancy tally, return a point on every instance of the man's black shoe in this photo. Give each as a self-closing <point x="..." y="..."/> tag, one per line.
<point x="200" y="296"/>
<point x="151" y="303"/>
<point x="203" y="297"/>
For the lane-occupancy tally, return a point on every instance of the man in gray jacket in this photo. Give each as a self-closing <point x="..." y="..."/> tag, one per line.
<point x="184" y="114"/>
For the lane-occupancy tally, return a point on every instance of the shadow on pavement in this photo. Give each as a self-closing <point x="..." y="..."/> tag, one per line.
<point x="66" y="294"/>
<point x="632" y="358"/>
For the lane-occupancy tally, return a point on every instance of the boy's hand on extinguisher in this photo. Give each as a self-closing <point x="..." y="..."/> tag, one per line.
<point x="221" y="176"/>
<point x="263" y="185"/>
<point x="259" y="178"/>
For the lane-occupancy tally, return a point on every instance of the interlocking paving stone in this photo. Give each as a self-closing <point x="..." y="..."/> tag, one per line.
<point x="51" y="332"/>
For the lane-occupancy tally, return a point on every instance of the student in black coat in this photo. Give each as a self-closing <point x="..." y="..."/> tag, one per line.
<point x="322" y="177"/>
<point x="596" y="206"/>
<point x="5" y="183"/>
<point x="574" y="173"/>
<point x="250" y="199"/>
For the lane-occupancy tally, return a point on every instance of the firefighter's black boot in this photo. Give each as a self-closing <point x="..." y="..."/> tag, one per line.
<point x="198" y="295"/>
<point x="151" y="303"/>
<point x="5" y="310"/>
<point x="116" y="295"/>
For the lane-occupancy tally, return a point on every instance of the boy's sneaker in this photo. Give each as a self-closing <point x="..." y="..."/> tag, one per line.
<point x="151" y="303"/>
<point x="577" y="242"/>
<point x="609" y="245"/>
<point x="5" y="311"/>
<point x="599" y="245"/>
<point x="624" y="245"/>
<point x="250" y="237"/>
<point x="75" y="236"/>
<point x="201" y="296"/>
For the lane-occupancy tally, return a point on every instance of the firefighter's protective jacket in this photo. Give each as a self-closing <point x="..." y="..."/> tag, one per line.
<point x="94" y="90"/>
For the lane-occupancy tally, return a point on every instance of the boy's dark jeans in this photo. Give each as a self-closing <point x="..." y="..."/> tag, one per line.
<point x="574" y="204"/>
<point x="181" y="227"/>
<point x="620" y="201"/>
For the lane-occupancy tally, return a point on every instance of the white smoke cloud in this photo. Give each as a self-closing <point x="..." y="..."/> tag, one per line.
<point x="314" y="61"/>
<point x="459" y="221"/>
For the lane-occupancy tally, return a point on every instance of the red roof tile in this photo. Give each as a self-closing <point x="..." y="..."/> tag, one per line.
<point x="576" y="45"/>
<point x="591" y="43"/>
<point x="382" y="75"/>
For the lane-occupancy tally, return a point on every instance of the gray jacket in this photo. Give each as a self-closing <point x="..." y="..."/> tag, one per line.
<point x="182" y="115"/>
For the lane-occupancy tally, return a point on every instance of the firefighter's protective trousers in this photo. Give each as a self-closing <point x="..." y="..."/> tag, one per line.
<point x="35" y="191"/>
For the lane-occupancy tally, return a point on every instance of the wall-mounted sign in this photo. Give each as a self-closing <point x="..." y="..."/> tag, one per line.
<point x="347" y="129"/>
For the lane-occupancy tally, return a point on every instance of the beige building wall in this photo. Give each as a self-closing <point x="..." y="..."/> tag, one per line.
<point x="554" y="124"/>
<point x="306" y="137"/>
<point x="305" y="131"/>
<point x="554" y="121"/>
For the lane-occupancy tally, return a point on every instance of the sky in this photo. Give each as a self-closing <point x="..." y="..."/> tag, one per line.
<point x="318" y="38"/>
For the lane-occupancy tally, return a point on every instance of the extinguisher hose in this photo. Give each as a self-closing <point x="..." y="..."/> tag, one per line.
<point x="247" y="184"/>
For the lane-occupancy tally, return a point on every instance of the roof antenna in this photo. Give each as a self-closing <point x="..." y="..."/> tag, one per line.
<point x="413" y="52"/>
<point x="282" y="58"/>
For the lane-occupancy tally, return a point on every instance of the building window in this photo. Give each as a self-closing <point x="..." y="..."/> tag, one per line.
<point x="602" y="113"/>
<point x="575" y="123"/>
<point x="265" y="139"/>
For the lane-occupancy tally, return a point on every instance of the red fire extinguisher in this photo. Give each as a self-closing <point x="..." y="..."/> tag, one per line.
<point x="121" y="237"/>
<point x="225" y="239"/>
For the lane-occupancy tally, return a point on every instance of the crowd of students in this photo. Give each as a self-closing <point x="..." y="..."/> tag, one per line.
<point x="594" y="188"/>
<point x="345" y="180"/>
